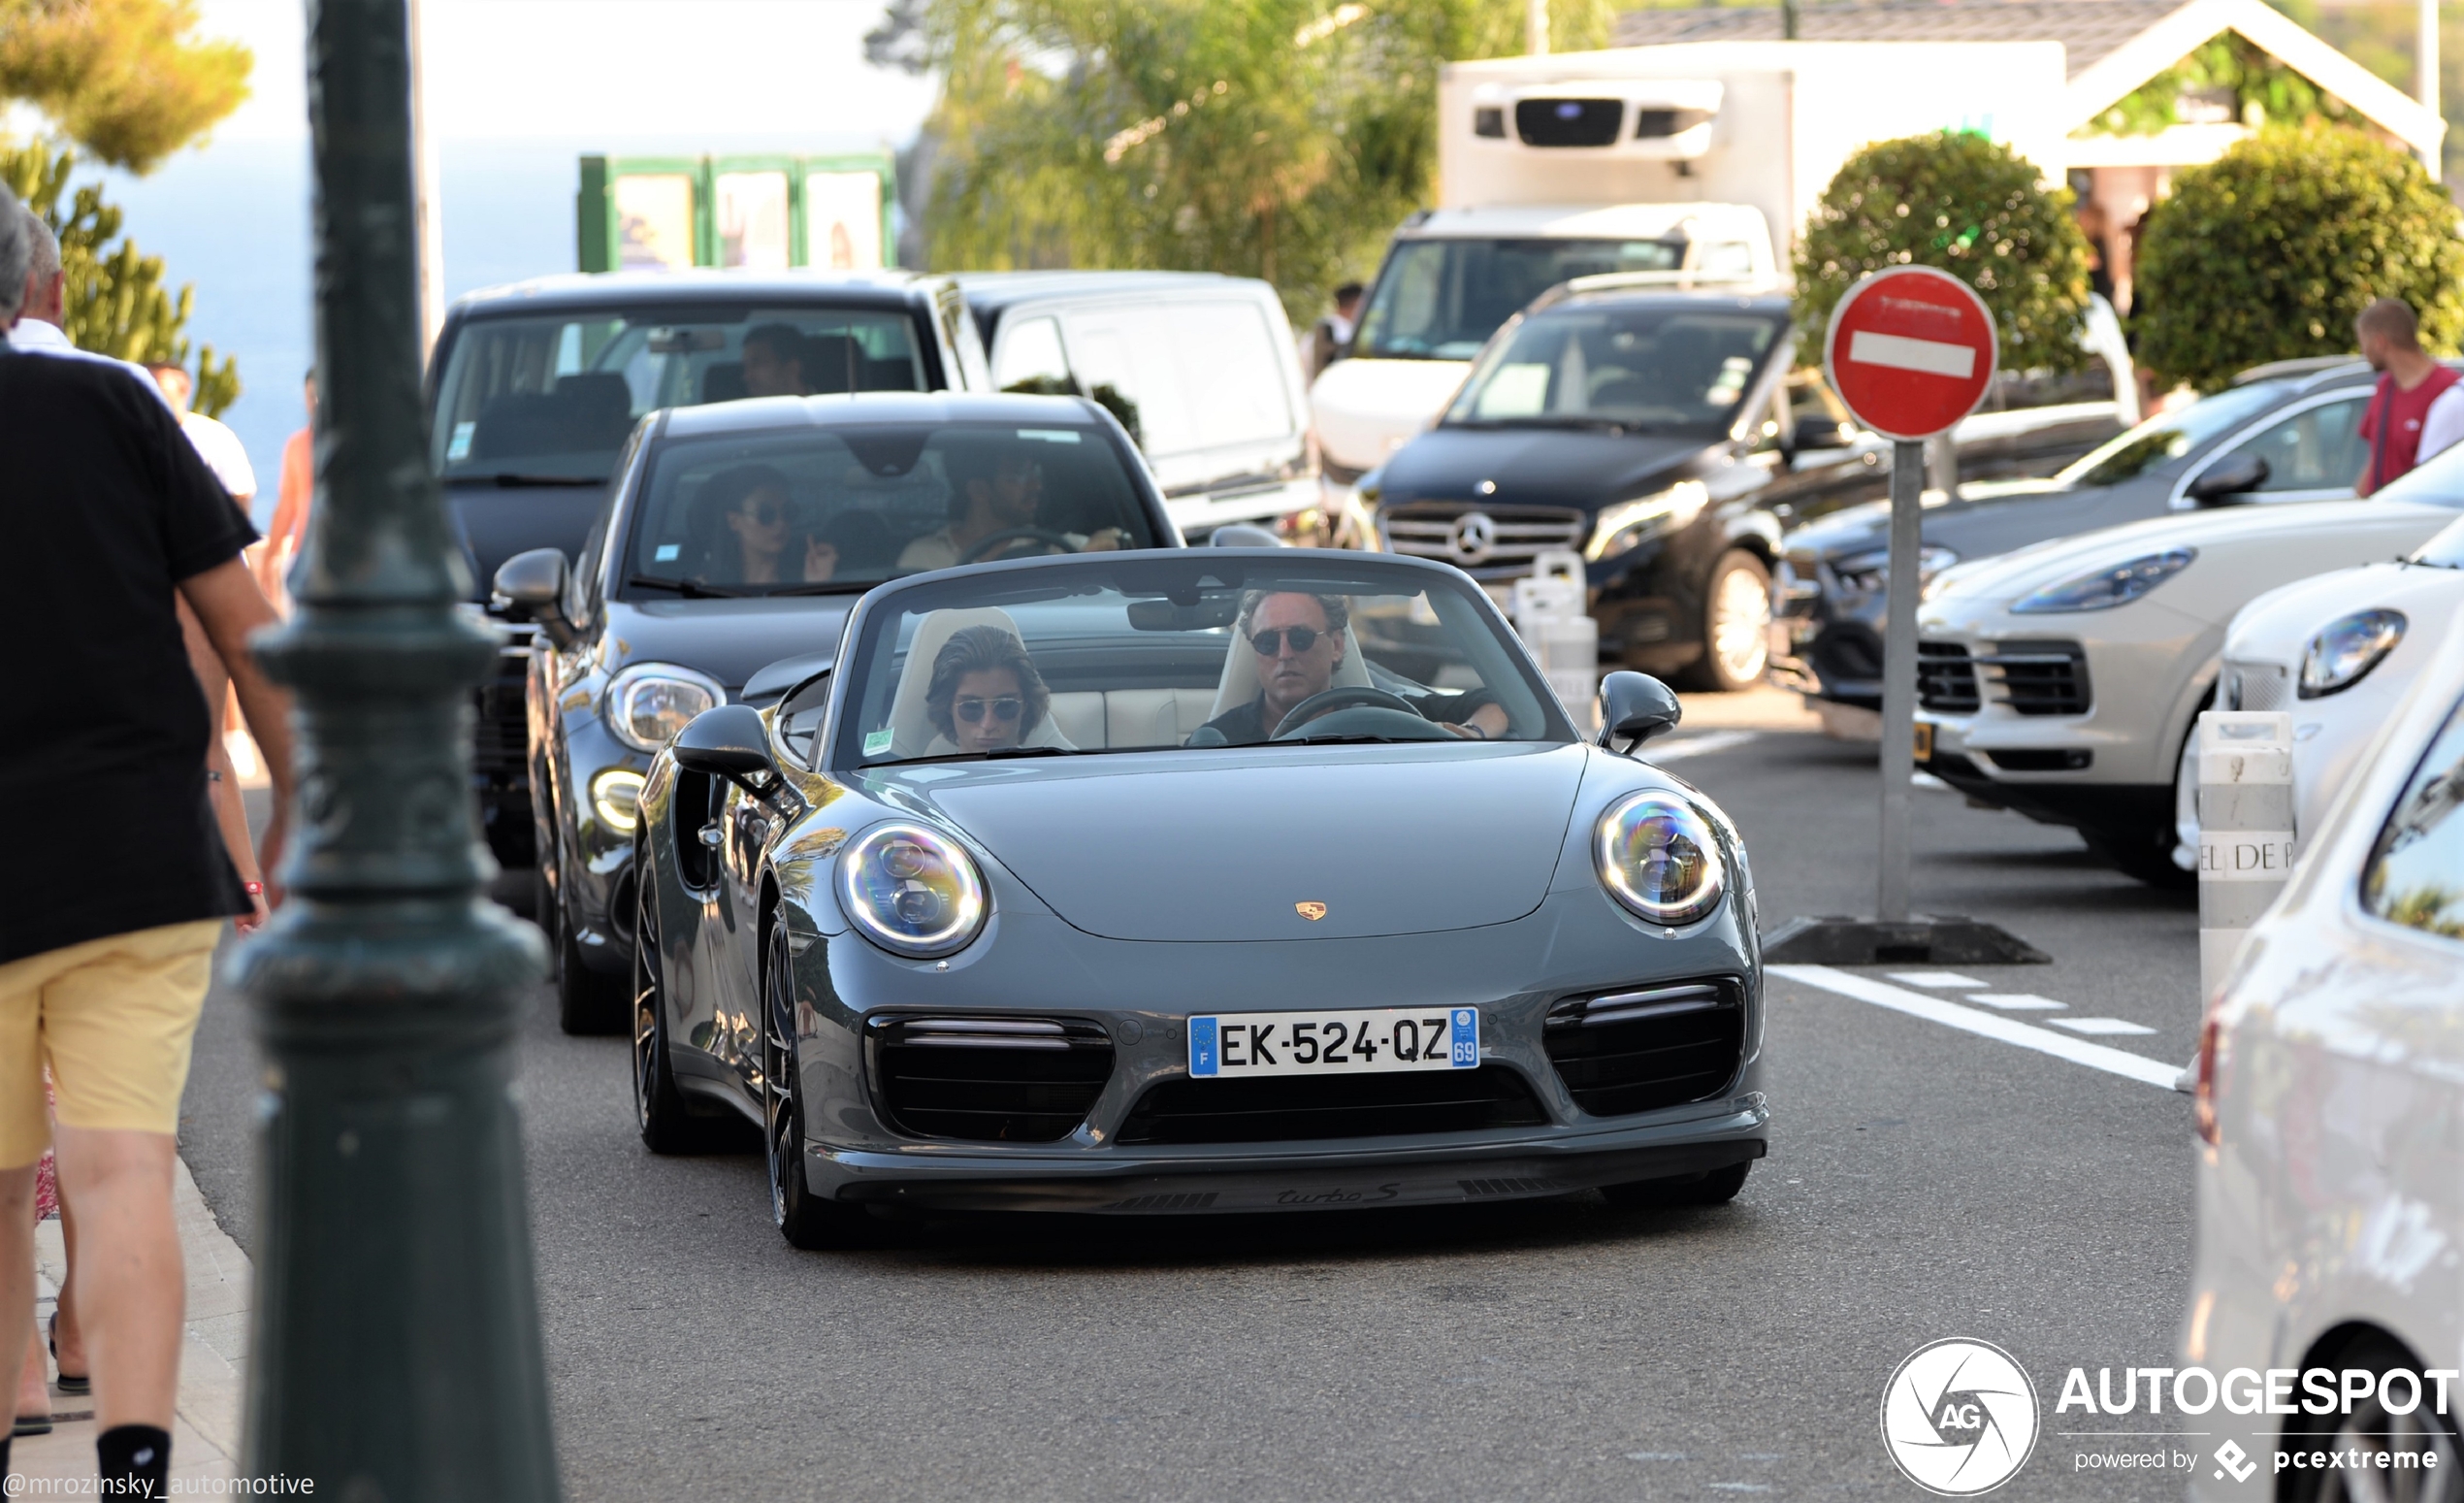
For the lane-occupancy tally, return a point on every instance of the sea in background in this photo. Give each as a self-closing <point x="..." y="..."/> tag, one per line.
<point x="233" y="219"/>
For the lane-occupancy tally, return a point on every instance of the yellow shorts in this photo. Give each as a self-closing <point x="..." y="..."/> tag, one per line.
<point x="114" y="1018"/>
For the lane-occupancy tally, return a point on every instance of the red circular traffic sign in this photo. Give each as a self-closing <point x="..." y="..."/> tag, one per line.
<point x="1910" y="350"/>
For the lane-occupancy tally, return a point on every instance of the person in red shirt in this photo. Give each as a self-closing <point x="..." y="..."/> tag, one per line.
<point x="2417" y="409"/>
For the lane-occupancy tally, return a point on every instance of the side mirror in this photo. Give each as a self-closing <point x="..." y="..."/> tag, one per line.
<point x="2234" y="476"/>
<point x="531" y="588"/>
<point x="728" y="742"/>
<point x="1634" y="707"/>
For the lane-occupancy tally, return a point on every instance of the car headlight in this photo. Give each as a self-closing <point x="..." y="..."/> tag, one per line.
<point x="1631" y="522"/>
<point x="2345" y="650"/>
<point x="1871" y="570"/>
<point x="649" y="702"/>
<point x="616" y="794"/>
<point x="911" y="890"/>
<point x="1657" y="857"/>
<point x="2105" y="588"/>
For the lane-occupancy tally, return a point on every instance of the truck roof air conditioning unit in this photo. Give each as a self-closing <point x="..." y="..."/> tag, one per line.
<point x="1647" y="119"/>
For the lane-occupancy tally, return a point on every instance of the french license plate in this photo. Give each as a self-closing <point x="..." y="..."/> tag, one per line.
<point x="1237" y="1046"/>
<point x="1924" y="741"/>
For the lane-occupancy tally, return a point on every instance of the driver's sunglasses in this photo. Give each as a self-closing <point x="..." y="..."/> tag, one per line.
<point x="1004" y="710"/>
<point x="764" y="514"/>
<point x="1270" y="642"/>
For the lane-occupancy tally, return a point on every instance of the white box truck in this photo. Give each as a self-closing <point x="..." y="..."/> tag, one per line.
<point x="1695" y="161"/>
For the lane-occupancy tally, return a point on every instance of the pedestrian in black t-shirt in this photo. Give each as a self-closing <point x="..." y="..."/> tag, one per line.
<point x="117" y="884"/>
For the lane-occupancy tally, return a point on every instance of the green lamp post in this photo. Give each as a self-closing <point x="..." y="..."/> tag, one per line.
<point x="395" y="1350"/>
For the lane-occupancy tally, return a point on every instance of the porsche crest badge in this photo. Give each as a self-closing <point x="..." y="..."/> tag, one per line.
<point x="1312" y="911"/>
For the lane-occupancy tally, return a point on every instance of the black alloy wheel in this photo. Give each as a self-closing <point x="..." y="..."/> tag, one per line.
<point x="1718" y="1187"/>
<point x="666" y="1126"/>
<point x="588" y="1005"/>
<point x="804" y="1218"/>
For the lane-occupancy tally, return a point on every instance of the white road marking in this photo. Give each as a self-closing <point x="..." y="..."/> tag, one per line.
<point x="2009" y="1030"/>
<point x="1927" y="780"/>
<point x="2016" y="1002"/>
<point x="2100" y="1025"/>
<point x="1899" y="352"/>
<point x="1698" y="745"/>
<point x="1949" y="979"/>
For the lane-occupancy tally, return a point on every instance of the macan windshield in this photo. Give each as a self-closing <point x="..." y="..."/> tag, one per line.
<point x="1170" y="651"/>
<point x="1442" y="299"/>
<point x="2168" y="436"/>
<point x="551" y="398"/>
<point x="1602" y="365"/>
<point x="818" y="510"/>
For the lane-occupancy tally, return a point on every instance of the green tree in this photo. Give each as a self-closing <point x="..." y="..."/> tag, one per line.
<point x="128" y="79"/>
<point x="115" y="301"/>
<point x="1279" y="138"/>
<point x="1965" y="205"/>
<point x="2270" y="251"/>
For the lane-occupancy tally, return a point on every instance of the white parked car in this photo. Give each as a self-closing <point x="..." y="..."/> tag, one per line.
<point x="2062" y="680"/>
<point x="2330" y="1093"/>
<point x="2339" y="651"/>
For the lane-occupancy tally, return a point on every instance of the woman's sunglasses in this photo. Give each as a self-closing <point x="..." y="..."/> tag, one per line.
<point x="1004" y="710"/>
<point x="764" y="514"/>
<point x="1270" y="642"/>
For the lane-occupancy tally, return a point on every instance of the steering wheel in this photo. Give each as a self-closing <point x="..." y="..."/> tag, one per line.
<point x="983" y="546"/>
<point x="1333" y="699"/>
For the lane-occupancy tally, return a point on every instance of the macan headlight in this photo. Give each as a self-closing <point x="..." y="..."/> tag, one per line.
<point x="1657" y="857"/>
<point x="912" y="892"/>
<point x="2345" y="650"/>
<point x="2103" y="589"/>
<point x="649" y="702"/>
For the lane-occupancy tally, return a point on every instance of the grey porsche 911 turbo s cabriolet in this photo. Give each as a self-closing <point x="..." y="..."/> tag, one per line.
<point x="1146" y="883"/>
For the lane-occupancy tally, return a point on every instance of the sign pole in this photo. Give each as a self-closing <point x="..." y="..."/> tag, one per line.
<point x="1899" y="678"/>
<point x="1911" y="351"/>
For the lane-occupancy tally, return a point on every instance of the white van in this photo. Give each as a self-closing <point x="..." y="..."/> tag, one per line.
<point x="1199" y="368"/>
<point x="1451" y="277"/>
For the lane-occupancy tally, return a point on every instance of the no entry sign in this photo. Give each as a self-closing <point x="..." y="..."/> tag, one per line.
<point x="1910" y="351"/>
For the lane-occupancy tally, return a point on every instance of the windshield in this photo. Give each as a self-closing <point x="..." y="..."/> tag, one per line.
<point x="2168" y="436"/>
<point x="1669" y="368"/>
<point x="1171" y="651"/>
<point x="1442" y="299"/>
<point x="815" y="509"/>
<point x="554" y="398"/>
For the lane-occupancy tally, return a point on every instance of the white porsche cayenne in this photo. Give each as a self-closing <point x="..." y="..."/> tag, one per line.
<point x="2340" y="649"/>
<point x="2063" y="680"/>
<point x="2330" y="1096"/>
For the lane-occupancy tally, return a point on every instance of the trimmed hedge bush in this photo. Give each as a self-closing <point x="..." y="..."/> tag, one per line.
<point x="2268" y="254"/>
<point x="1968" y="206"/>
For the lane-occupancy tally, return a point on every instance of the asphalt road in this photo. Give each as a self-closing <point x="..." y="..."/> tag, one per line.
<point x="1924" y="1181"/>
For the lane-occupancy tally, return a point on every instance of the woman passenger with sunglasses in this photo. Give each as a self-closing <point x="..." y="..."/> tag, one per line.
<point x="984" y="693"/>
<point x="756" y="543"/>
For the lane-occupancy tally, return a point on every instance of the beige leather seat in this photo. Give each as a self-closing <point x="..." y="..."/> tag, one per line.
<point x="911" y="730"/>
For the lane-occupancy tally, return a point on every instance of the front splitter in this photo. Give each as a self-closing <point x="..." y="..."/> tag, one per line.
<point x="1247" y="1185"/>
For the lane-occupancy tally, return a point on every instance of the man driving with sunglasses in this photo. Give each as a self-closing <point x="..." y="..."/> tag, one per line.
<point x="1298" y="642"/>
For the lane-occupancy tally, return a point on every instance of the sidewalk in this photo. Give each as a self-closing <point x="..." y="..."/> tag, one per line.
<point x="204" y="1439"/>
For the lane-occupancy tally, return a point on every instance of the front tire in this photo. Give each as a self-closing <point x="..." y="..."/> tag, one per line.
<point x="1718" y="1187"/>
<point x="1736" y="625"/>
<point x="659" y="1107"/>
<point x="587" y="1003"/>
<point x="807" y="1221"/>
